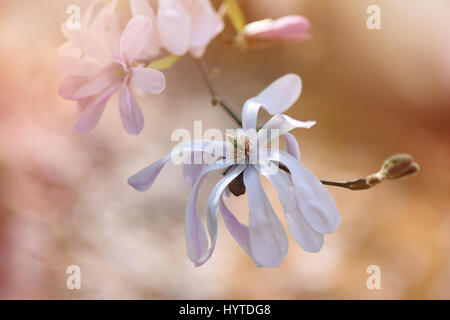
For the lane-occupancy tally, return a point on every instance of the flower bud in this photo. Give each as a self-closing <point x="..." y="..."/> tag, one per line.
<point x="413" y="169"/>
<point x="396" y="166"/>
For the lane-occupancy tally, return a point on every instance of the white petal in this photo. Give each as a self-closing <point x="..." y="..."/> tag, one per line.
<point x="192" y="169"/>
<point x="292" y="145"/>
<point x="279" y="125"/>
<point x="239" y="231"/>
<point x="276" y="98"/>
<point x="196" y="239"/>
<point x="148" y="80"/>
<point x="95" y="85"/>
<point x="306" y="237"/>
<point x="135" y="37"/>
<point x="144" y="179"/>
<point x="313" y="199"/>
<point x="280" y="94"/>
<point x="268" y="240"/>
<point x="213" y="207"/>
<point x="250" y="114"/>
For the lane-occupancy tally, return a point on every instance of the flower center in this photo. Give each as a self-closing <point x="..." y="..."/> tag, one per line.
<point x="241" y="147"/>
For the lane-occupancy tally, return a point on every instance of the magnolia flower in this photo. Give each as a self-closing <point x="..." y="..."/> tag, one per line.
<point x="187" y="25"/>
<point x="308" y="207"/>
<point x="288" y="28"/>
<point x="113" y="66"/>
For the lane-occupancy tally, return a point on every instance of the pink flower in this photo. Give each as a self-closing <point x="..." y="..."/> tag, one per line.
<point x="187" y="25"/>
<point x="308" y="207"/>
<point x="110" y="67"/>
<point x="288" y="28"/>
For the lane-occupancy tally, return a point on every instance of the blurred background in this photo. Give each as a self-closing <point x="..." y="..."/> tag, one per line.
<point x="64" y="199"/>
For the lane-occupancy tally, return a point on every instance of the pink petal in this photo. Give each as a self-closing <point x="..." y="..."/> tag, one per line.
<point x="70" y="85"/>
<point x="135" y="37"/>
<point x="88" y="116"/>
<point x="289" y="28"/>
<point x="77" y="67"/>
<point x="142" y="7"/>
<point x="130" y="112"/>
<point x="206" y="25"/>
<point x="106" y="94"/>
<point x="174" y="26"/>
<point x="148" y="80"/>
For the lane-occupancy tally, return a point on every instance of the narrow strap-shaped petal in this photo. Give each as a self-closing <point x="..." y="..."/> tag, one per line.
<point x="88" y="115"/>
<point x="192" y="169"/>
<point x="292" y="145"/>
<point x="130" y="112"/>
<point x="70" y="85"/>
<point x="288" y="28"/>
<point x="103" y="97"/>
<point x="305" y="236"/>
<point x="250" y="114"/>
<point x="148" y="80"/>
<point x="239" y="231"/>
<point x="268" y="239"/>
<point x="315" y="202"/>
<point x="196" y="238"/>
<point x="144" y="179"/>
<point x="213" y="207"/>
<point x="95" y="85"/>
<point x="276" y="98"/>
<point x="279" y="125"/>
<point x="174" y="26"/>
<point x="135" y="37"/>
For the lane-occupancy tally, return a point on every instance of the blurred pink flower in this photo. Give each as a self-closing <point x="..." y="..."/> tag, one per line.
<point x="309" y="208"/>
<point x="109" y="67"/>
<point x="187" y="25"/>
<point x="288" y="28"/>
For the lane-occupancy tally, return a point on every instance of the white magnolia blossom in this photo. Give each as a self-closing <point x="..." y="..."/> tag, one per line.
<point x="309" y="209"/>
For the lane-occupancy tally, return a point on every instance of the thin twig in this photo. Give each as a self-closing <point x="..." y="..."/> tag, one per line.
<point x="216" y="98"/>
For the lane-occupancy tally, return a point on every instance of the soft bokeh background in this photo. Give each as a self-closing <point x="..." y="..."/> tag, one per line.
<point x="64" y="199"/>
